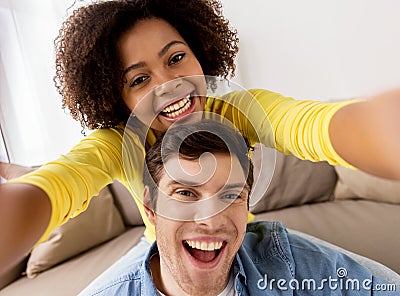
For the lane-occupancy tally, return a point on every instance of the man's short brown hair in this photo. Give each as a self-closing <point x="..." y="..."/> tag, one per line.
<point x="190" y="141"/>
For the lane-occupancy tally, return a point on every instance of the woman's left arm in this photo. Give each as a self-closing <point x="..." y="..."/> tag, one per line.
<point x="367" y="134"/>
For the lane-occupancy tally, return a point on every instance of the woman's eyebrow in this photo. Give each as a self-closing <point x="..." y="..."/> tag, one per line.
<point x="160" y="54"/>
<point x="133" y="67"/>
<point x="168" y="46"/>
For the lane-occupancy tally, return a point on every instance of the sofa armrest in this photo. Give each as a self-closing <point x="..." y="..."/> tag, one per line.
<point x="376" y="268"/>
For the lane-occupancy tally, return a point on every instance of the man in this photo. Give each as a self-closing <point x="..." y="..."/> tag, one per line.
<point x="198" y="179"/>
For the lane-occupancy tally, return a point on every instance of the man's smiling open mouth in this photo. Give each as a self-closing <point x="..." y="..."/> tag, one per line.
<point x="179" y="109"/>
<point x="204" y="254"/>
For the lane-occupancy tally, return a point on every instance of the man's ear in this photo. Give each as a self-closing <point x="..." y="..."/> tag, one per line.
<point x="148" y="208"/>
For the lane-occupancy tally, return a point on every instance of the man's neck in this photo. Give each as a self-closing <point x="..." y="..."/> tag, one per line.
<point x="163" y="280"/>
<point x="164" y="283"/>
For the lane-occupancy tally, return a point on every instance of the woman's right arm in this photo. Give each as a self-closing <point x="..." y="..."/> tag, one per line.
<point x="25" y="212"/>
<point x="33" y="205"/>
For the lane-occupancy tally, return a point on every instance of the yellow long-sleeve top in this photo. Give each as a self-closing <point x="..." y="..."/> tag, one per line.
<point x="293" y="127"/>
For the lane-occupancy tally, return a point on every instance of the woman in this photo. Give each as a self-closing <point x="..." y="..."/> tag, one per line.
<point x="111" y="54"/>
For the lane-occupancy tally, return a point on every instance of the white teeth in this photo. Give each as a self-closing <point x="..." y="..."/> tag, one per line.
<point x="205" y="246"/>
<point x="177" y="108"/>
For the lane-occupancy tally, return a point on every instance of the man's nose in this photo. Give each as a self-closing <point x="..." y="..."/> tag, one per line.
<point x="168" y="87"/>
<point x="210" y="212"/>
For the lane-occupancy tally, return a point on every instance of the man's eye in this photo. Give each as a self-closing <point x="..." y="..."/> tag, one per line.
<point x="185" y="193"/>
<point x="138" y="80"/>
<point x="231" y="196"/>
<point x="176" y="58"/>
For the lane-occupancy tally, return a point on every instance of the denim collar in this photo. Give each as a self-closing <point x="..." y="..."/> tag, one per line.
<point x="147" y="285"/>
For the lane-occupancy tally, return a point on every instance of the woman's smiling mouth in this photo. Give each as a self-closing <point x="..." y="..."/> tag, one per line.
<point x="179" y="109"/>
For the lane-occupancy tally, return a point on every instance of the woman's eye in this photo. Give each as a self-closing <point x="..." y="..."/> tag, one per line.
<point x="138" y="80"/>
<point x="176" y="58"/>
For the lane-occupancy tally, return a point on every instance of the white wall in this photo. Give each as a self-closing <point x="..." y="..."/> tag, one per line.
<point x="317" y="49"/>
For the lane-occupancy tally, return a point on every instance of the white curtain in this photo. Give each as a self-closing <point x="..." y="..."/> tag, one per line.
<point x="35" y="128"/>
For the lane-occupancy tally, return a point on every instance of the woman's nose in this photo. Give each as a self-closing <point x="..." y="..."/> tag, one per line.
<point x="168" y="87"/>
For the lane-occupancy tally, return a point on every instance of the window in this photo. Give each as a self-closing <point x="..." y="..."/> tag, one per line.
<point x="3" y="152"/>
<point x="3" y="149"/>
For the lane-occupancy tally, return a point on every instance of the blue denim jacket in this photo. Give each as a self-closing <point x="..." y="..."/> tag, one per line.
<point x="273" y="262"/>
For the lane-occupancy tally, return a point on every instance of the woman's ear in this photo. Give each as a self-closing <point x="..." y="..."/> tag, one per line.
<point x="148" y="208"/>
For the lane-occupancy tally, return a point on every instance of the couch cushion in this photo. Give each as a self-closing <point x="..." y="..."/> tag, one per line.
<point x="11" y="171"/>
<point x="74" y="275"/>
<point x="353" y="183"/>
<point x="100" y="222"/>
<point x="364" y="227"/>
<point x="294" y="181"/>
<point x="126" y="205"/>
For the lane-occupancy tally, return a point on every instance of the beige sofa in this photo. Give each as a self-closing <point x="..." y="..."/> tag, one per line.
<point x="348" y="208"/>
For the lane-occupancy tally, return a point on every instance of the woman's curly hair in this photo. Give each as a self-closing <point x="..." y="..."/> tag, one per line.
<point x="89" y="70"/>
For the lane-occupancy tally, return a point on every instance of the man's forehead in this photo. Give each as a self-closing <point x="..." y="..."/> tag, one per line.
<point x="209" y="167"/>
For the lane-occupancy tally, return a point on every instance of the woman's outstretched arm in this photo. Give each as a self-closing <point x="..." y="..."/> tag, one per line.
<point x="25" y="212"/>
<point x="367" y="134"/>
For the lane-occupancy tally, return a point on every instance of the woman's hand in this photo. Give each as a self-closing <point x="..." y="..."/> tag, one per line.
<point x="367" y="134"/>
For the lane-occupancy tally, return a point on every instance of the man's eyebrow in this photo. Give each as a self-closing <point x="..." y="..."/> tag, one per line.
<point x="235" y="186"/>
<point x="160" y="54"/>
<point x="183" y="182"/>
<point x="196" y="184"/>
